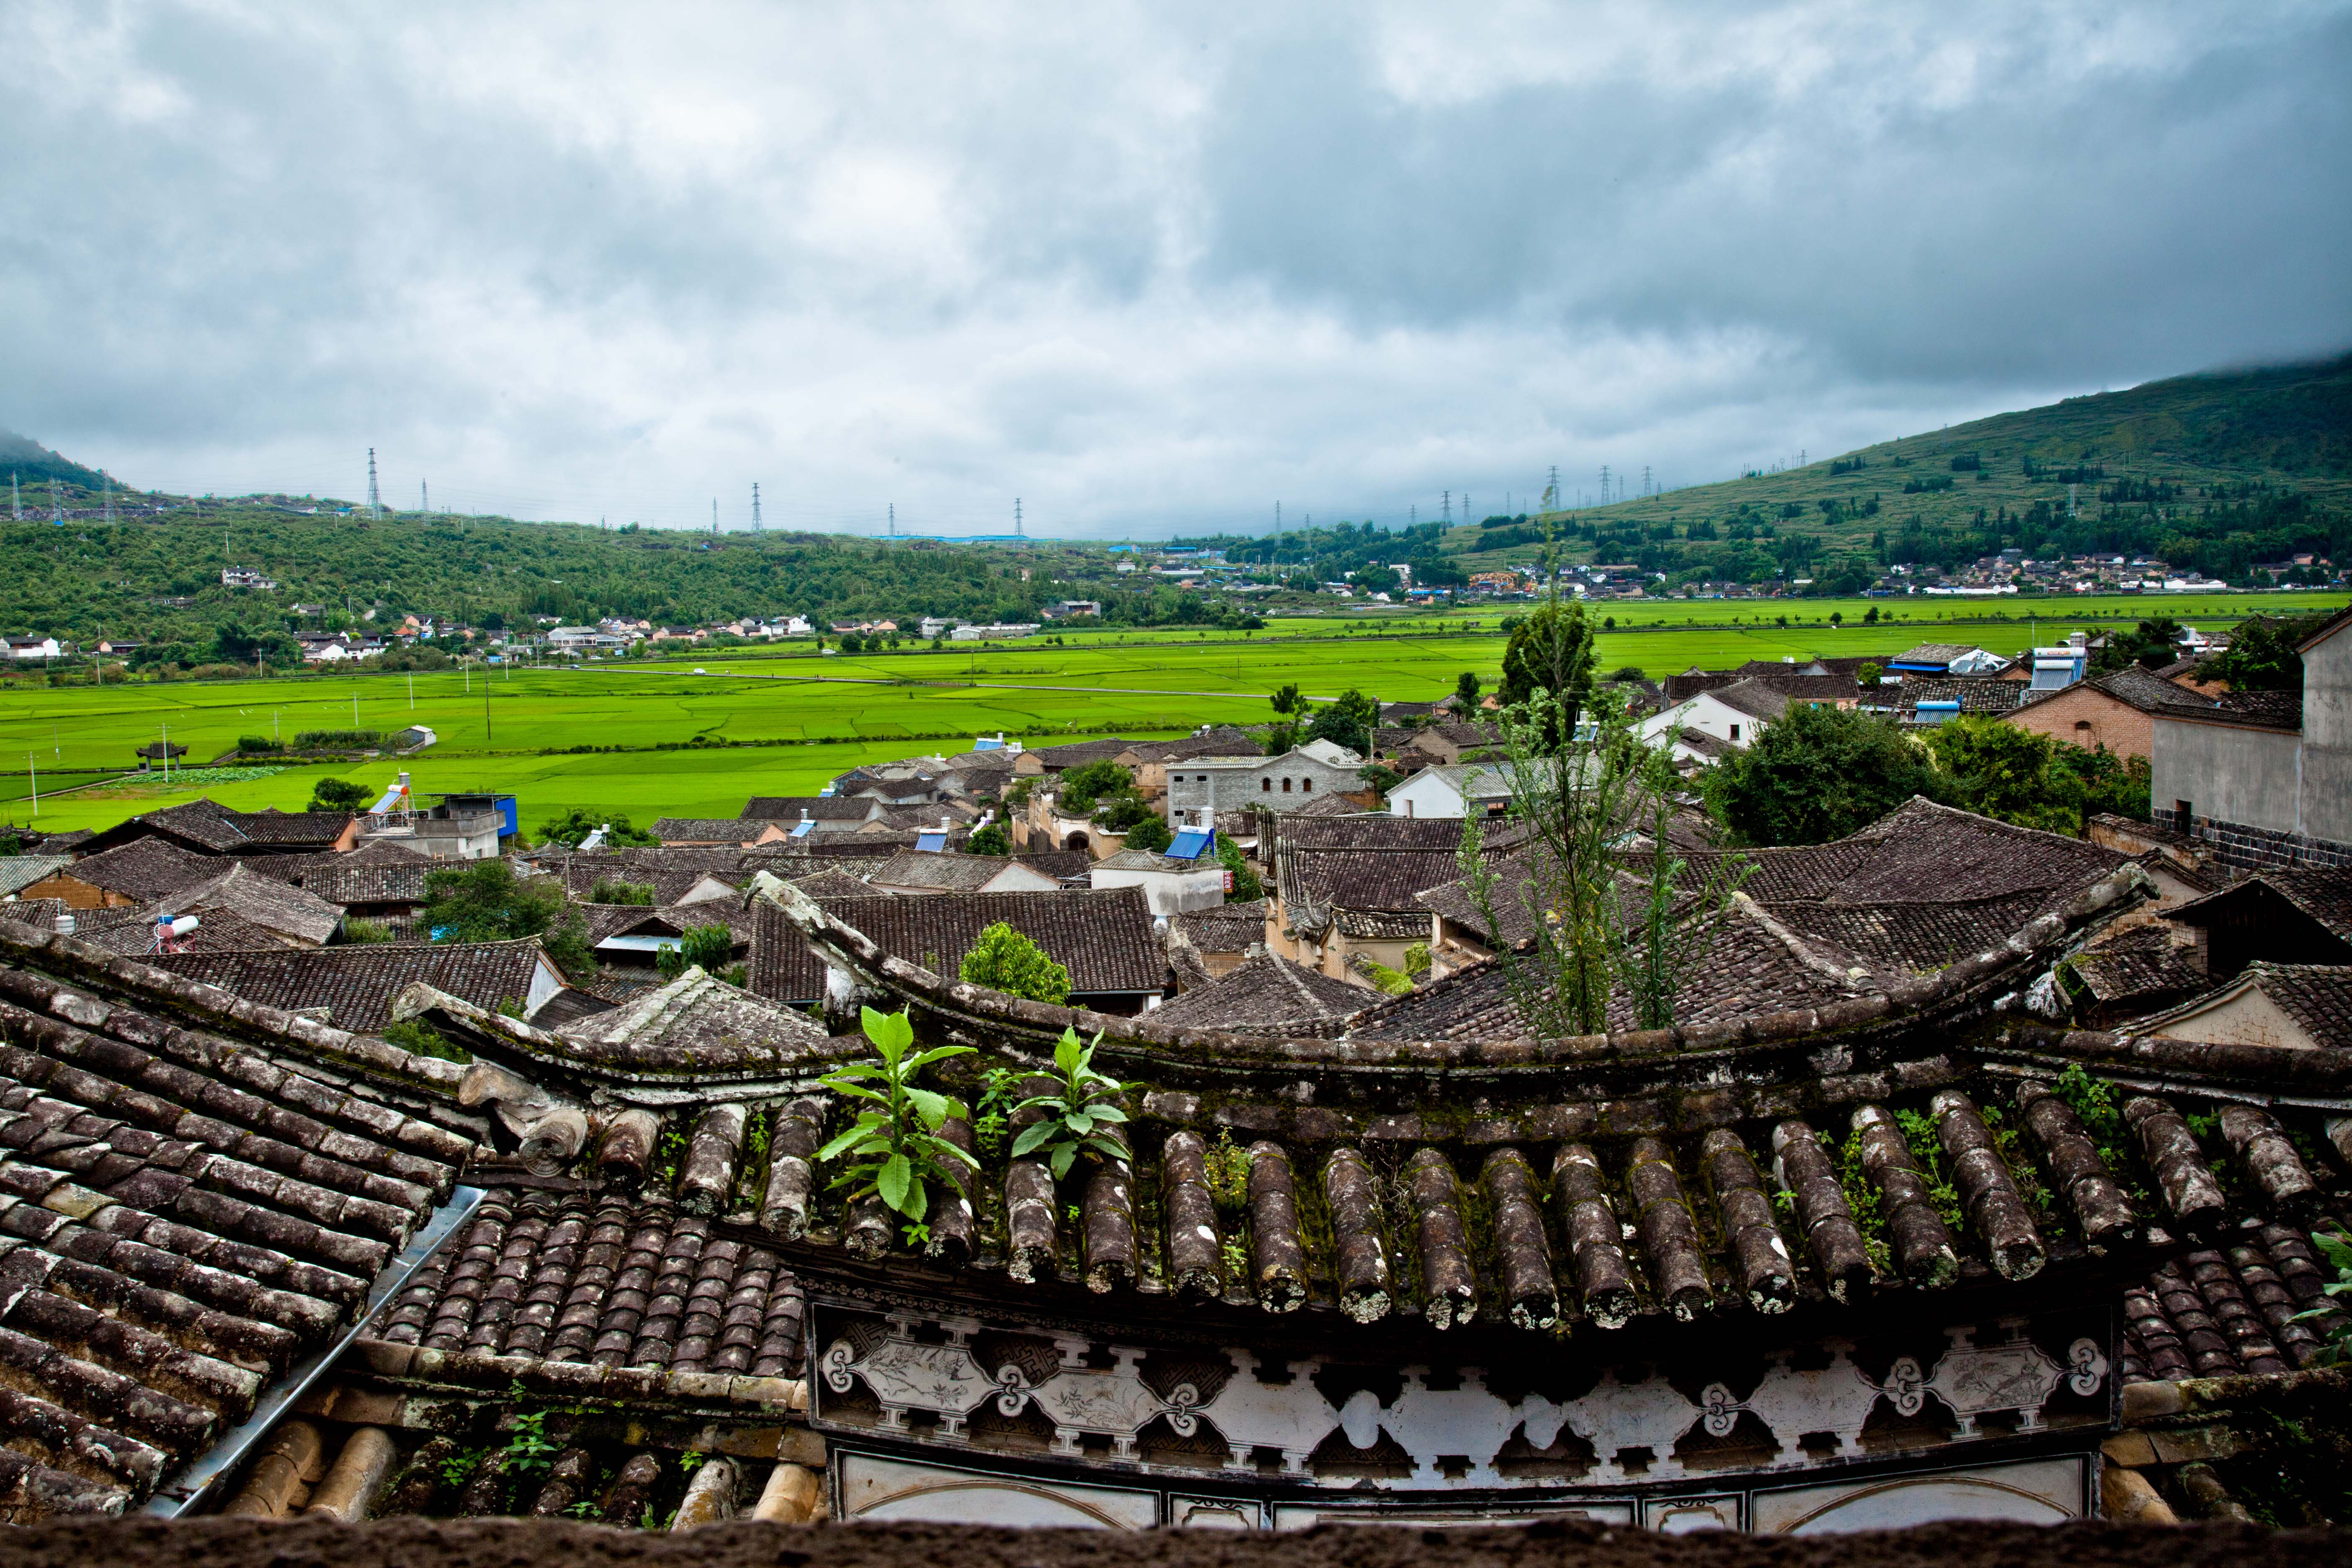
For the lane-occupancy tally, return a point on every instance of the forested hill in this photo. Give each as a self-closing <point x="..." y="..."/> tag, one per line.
<point x="2209" y="473"/>
<point x="157" y="576"/>
<point x="30" y="464"/>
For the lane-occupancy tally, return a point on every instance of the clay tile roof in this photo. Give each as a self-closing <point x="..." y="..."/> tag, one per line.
<point x="2318" y="997"/>
<point x="2140" y="967"/>
<point x="147" y="868"/>
<point x="21" y="872"/>
<point x="1934" y="652"/>
<point x="357" y="984"/>
<point x="1227" y="928"/>
<point x="2324" y="895"/>
<point x="290" y="912"/>
<point x="705" y="829"/>
<point x="318" y="827"/>
<point x="947" y="873"/>
<point x="1104" y="938"/>
<point x="189" y="1220"/>
<point x="41" y="912"/>
<point x="1758" y="699"/>
<point x="819" y="807"/>
<point x="1975" y="694"/>
<point x="832" y="882"/>
<point x="1365" y="879"/>
<point x="695" y="1013"/>
<point x="1078" y="753"/>
<point x="372" y="882"/>
<point x="1327" y="806"/>
<point x="2147" y="691"/>
<point x="1268" y="994"/>
<point x="1059" y="864"/>
<point x="1363" y="830"/>
<point x="1925" y="885"/>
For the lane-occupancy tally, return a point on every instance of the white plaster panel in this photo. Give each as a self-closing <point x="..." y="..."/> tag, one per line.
<point x="2035" y="1491"/>
<point x="897" y="1490"/>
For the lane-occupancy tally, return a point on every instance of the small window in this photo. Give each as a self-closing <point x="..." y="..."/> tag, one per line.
<point x="2082" y="724"/>
<point x="1306" y="786"/>
<point x="1266" y="784"/>
<point x="1735" y="732"/>
<point x="1286" y="786"/>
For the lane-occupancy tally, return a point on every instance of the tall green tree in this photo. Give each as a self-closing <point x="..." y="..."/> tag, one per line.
<point x="1346" y="721"/>
<point x="1465" y="690"/>
<point x="1551" y="651"/>
<point x="1817" y="774"/>
<point x="484" y="900"/>
<point x="2262" y="654"/>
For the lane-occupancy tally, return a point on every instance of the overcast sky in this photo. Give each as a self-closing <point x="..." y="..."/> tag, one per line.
<point x="1145" y="267"/>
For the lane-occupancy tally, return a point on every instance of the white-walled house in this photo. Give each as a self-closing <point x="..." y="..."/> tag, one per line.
<point x="1735" y="715"/>
<point x="1450" y="789"/>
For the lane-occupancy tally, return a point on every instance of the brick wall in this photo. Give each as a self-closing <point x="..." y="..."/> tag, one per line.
<point x="2089" y="718"/>
<point x="2254" y="849"/>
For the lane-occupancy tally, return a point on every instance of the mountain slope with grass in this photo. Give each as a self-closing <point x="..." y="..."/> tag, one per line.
<point x="2210" y="472"/>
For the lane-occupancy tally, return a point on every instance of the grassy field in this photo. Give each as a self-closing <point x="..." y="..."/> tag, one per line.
<point x="803" y="718"/>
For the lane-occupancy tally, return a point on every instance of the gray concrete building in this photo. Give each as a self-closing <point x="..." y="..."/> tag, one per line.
<point x="1202" y="790"/>
<point x="2267" y="779"/>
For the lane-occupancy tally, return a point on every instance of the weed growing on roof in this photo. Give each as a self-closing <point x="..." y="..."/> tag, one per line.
<point x="1861" y="1198"/>
<point x="530" y="1450"/>
<point x="1000" y="1088"/>
<point x="1927" y="1153"/>
<point x="2021" y="1168"/>
<point x="459" y="1465"/>
<point x="1227" y="1164"/>
<point x="1075" y="1117"/>
<point x="2336" y="1339"/>
<point x="423" y="1039"/>
<point x="669" y="1150"/>
<point x="894" y="1150"/>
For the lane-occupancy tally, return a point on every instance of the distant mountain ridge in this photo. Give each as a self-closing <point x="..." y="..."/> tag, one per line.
<point x="29" y="461"/>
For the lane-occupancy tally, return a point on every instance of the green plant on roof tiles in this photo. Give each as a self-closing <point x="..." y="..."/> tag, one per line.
<point x="1077" y="1117"/>
<point x="1227" y="1164"/>
<point x="894" y="1150"/>
<point x="2335" y="1338"/>
<point x="1861" y="1198"/>
<point x="1000" y="1089"/>
<point x="1919" y="1132"/>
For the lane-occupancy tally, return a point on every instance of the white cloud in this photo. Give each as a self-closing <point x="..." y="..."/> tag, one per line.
<point x="1145" y="268"/>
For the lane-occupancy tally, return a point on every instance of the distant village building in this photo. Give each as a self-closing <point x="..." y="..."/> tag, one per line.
<point x="1203" y="790"/>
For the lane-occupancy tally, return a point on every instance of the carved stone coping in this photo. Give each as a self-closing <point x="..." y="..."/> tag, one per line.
<point x="578" y="1381"/>
<point x="2168" y="1061"/>
<point x="1009" y="1020"/>
<point x="650" y="1076"/>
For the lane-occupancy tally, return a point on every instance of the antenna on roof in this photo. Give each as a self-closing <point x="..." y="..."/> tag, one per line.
<point x="376" y="497"/>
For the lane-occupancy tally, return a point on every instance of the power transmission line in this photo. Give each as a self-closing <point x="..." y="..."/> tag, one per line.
<point x="1017" y="518"/>
<point x="755" y="506"/>
<point x="376" y="497"/>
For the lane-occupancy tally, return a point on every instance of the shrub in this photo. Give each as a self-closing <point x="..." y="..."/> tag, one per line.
<point x="337" y="794"/>
<point x="339" y="740"/>
<point x="1152" y="833"/>
<point x="989" y="840"/>
<point x="252" y="745"/>
<point x="1005" y="960"/>
<point x="607" y="891"/>
<point x="707" y="948"/>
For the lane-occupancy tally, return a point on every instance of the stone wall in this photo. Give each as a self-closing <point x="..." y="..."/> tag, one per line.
<point x="2254" y="849"/>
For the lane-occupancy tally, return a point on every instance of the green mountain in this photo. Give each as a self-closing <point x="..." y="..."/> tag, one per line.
<point x="2209" y="472"/>
<point x="31" y="463"/>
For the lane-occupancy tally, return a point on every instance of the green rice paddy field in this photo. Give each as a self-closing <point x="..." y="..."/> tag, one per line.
<point x="803" y="718"/>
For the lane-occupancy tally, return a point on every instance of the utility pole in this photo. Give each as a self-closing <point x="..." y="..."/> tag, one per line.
<point x="1446" y="502"/>
<point x="1645" y="479"/>
<point x="1605" y="484"/>
<point x="1552" y="496"/>
<point x="375" y="497"/>
<point x="755" y="506"/>
<point x="424" y="496"/>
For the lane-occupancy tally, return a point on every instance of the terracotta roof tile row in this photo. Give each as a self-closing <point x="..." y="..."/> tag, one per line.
<point x="356" y="986"/>
<point x="1104" y="938"/>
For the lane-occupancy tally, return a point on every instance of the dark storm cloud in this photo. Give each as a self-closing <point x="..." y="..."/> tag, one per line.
<point x="1143" y="268"/>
